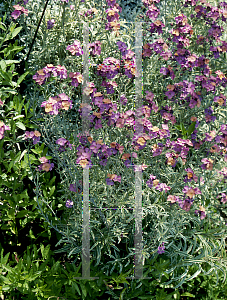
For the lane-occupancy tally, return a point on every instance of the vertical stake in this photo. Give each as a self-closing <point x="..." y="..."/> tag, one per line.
<point x="85" y="129"/>
<point x="138" y="171"/>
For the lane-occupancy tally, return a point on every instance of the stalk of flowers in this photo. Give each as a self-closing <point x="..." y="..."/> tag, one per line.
<point x="75" y="48"/>
<point x="18" y="11"/>
<point x="167" y="114"/>
<point x="113" y="16"/>
<point x="73" y="188"/>
<point x="34" y="135"/>
<point x="128" y="59"/>
<point x="53" y="105"/>
<point x="109" y="68"/>
<point x="3" y="127"/>
<point x="46" y="165"/>
<point x="96" y="149"/>
<point x="42" y="75"/>
<point x="161" y="249"/>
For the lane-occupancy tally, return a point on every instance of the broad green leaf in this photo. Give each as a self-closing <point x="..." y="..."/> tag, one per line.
<point x="186" y="294"/>
<point x="15" y="32"/>
<point x="22" y="213"/>
<point x="3" y="65"/>
<point x="191" y="128"/>
<point x="17" y="117"/>
<point x="20" y="125"/>
<point x="10" y="61"/>
<point x="52" y="191"/>
<point x="21" y="78"/>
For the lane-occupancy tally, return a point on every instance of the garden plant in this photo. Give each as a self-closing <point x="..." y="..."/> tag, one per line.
<point x="180" y="149"/>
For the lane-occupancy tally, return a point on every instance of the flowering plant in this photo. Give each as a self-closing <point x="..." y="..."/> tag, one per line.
<point x="181" y="149"/>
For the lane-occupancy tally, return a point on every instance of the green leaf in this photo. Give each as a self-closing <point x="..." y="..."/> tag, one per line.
<point x="17" y="117"/>
<point x="74" y="284"/>
<point x="3" y="65"/>
<point x="10" y="61"/>
<point x="21" y="78"/>
<point x="182" y="128"/>
<point x="22" y="213"/>
<point x="186" y="294"/>
<point x="191" y="128"/>
<point x="52" y="191"/>
<point x="45" y="251"/>
<point x="6" y="76"/>
<point x="31" y="234"/>
<point x="15" y="32"/>
<point x="83" y="289"/>
<point x="20" y="125"/>
<point x="5" y="258"/>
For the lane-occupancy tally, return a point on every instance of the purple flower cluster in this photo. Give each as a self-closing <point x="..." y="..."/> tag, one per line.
<point x="109" y="86"/>
<point x="152" y="182"/>
<point x="111" y="178"/>
<point x="95" y="48"/>
<point x="113" y="16"/>
<point x="224" y="197"/>
<point x="91" y="12"/>
<point x="46" y="165"/>
<point x="61" y="101"/>
<point x="76" y="78"/>
<point x="128" y="59"/>
<point x="59" y="71"/>
<point x="34" y="135"/>
<point x="109" y="68"/>
<point x="18" y="11"/>
<point x="75" y="48"/>
<point x="201" y="212"/>
<point x="63" y="144"/>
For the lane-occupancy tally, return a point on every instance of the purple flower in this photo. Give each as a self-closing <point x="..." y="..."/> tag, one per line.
<point x="161" y="249"/>
<point x="95" y="147"/>
<point x="122" y="47"/>
<point x="164" y="71"/>
<point x="50" y="24"/>
<point x="163" y="187"/>
<point x="46" y="165"/>
<point x="95" y="48"/>
<point x="15" y="14"/>
<point x="109" y="181"/>
<point x="69" y="203"/>
<point x="63" y="143"/>
<point x="75" y="48"/>
<point x="123" y="99"/>
<point x="34" y="135"/>
<point x="111" y="3"/>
